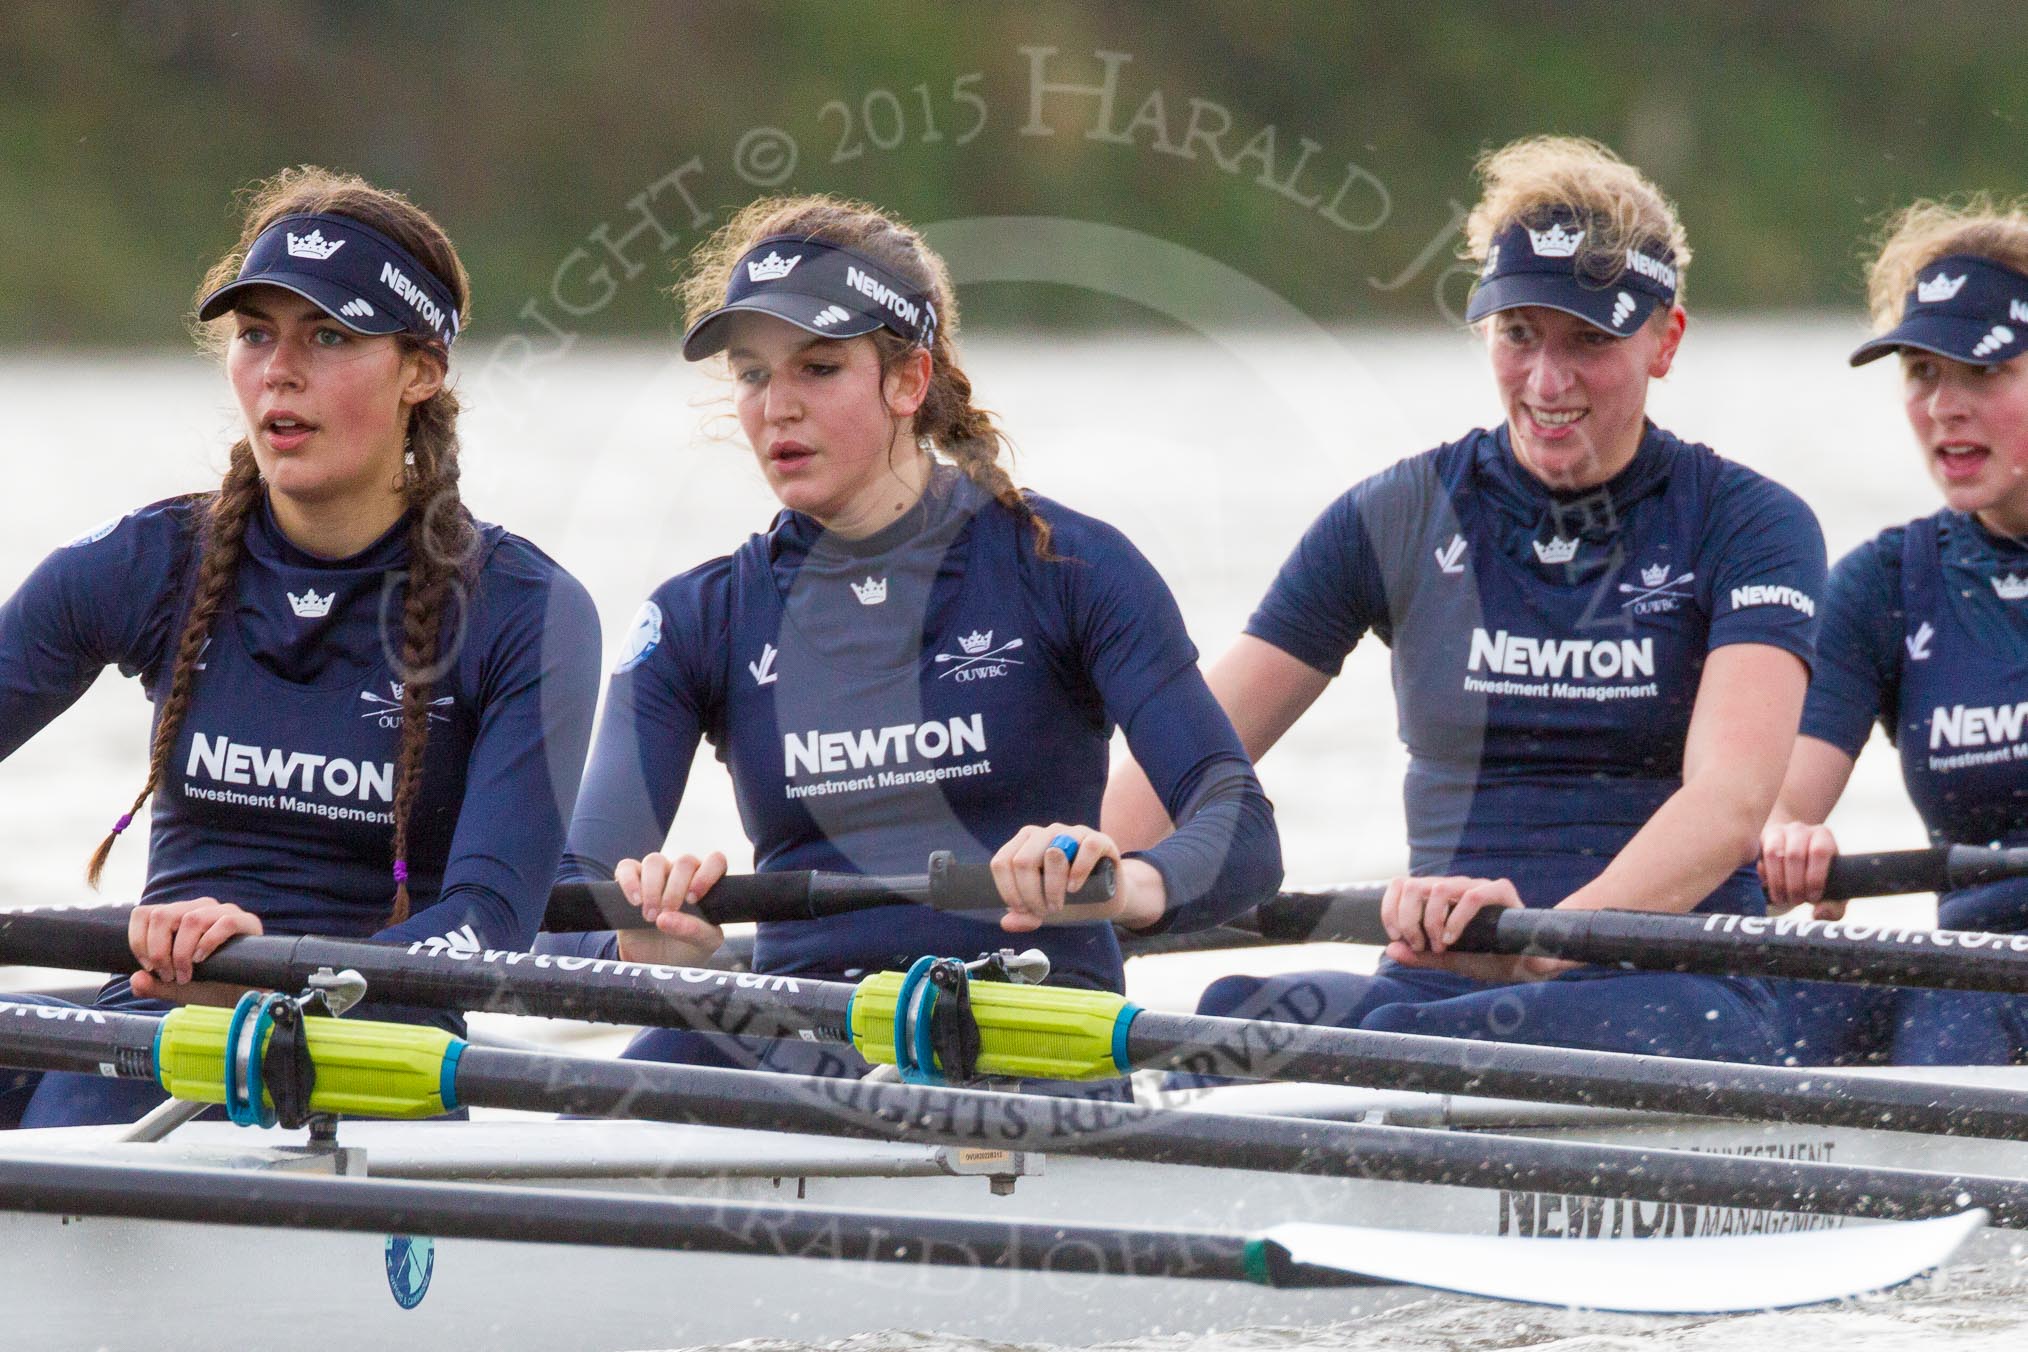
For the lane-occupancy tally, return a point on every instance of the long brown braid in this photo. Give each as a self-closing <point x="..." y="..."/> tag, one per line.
<point x="966" y="434"/>
<point x="441" y="538"/>
<point x="221" y="531"/>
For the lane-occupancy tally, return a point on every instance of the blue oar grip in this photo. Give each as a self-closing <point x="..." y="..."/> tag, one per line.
<point x="1066" y="843"/>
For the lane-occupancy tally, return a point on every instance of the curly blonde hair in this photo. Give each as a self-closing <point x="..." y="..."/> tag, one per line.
<point x="1929" y="229"/>
<point x="1530" y="177"/>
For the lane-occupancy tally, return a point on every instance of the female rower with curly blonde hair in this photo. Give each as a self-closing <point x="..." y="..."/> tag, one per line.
<point x="1601" y="636"/>
<point x="1926" y="630"/>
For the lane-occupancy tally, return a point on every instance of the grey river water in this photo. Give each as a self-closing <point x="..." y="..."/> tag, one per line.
<point x="1212" y="453"/>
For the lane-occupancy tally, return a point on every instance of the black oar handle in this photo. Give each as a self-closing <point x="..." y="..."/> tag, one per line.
<point x="1942" y="868"/>
<point x="969" y="887"/>
<point x="1350" y="914"/>
<point x="804" y="894"/>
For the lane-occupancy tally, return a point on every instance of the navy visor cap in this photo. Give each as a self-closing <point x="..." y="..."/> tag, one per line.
<point x="1544" y="261"/>
<point x="819" y="287"/>
<point x="357" y="275"/>
<point x="1964" y="307"/>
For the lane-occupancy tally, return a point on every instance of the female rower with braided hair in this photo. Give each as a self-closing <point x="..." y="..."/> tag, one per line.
<point x="371" y="709"/>
<point x="916" y="656"/>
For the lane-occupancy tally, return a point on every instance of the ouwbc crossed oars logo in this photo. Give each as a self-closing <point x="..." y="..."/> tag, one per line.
<point x="965" y="661"/>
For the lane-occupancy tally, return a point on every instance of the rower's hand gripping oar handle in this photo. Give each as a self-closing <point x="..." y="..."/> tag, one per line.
<point x="805" y="894"/>
<point x="1351" y="914"/>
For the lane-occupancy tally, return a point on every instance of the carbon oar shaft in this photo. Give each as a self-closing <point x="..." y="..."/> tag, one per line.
<point x="650" y="1091"/>
<point x="519" y="1214"/>
<point x="1266" y="1049"/>
<point x="1794" y="946"/>
<point x="1279" y="1047"/>
<point x="1351" y="914"/>
<point x="438" y="976"/>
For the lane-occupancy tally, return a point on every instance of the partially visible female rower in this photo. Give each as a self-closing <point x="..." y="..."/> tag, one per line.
<point x="917" y="655"/>
<point x="371" y="710"/>
<point x="1926" y="632"/>
<point x="1600" y="641"/>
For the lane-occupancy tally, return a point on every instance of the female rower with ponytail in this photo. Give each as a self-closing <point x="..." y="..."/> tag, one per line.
<point x="1601" y="636"/>
<point x="1924" y="624"/>
<point x="916" y="655"/>
<point x="371" y="709"/>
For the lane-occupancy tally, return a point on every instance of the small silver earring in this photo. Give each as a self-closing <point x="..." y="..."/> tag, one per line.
<point x="926" y="443"/>
<point x="408" y="458"/>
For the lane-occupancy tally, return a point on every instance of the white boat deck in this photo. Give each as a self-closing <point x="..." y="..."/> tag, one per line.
<point x="165" y="1278"/>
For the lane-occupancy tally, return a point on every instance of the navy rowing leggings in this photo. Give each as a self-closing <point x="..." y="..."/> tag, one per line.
<point x="1839" y="1024"/>
<point x="1966" y="1028"/>
<point x="1593" y="1008"/>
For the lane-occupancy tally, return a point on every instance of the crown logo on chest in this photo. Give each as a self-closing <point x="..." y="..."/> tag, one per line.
<point x="1557" y="550"/>
<point x="310" y="606"/>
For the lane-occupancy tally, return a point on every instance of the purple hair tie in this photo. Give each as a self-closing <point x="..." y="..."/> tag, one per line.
<point x="401" y="870"/>
<point x="126" y="820"/>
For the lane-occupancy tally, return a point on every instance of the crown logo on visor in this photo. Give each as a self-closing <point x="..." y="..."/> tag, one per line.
<point x="1555" y="242"/>
<point x="772" y="268"/>
<point x="871" y="592"/>
<point x="1558" y="550"/>
<point x="975" y="642"/>
<point x="310" y="606"/>
<point x="2011" y="587"/>
<point x="313" y="245"/>
<point x="1940" y="288"/>
<point x="1655" y="576"/>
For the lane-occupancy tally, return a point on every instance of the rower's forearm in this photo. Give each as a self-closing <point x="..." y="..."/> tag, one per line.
<point x="1131" y="813"/>
<point x="1227" y="855"/>
<point x="1693" y="843"/>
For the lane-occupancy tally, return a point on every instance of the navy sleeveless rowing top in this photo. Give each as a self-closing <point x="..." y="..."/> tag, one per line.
<point x="933" y="686"/>
<point x="1926" y="632"/>
<point x="1547" y="647"/>
<point x="279" y="793"/>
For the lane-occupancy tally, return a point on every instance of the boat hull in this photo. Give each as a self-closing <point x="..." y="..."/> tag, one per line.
<point x="97" y="1282"/>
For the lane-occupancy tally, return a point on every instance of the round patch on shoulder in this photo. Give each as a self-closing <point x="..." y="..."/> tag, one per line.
<point x="97" y="533"/>
<point x="643" y="637"/>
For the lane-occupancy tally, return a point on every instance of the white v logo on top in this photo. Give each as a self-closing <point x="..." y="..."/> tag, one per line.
<point x="1918" y="642"/>
<point x="1451" y="558"/>
<point x="763" y="671"/>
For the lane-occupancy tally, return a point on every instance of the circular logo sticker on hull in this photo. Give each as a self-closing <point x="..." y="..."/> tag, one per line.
<point x="410" y="1261"/>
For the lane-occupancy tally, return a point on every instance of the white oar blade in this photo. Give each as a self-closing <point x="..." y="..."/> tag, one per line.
<point x="1720" y="1275"/>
